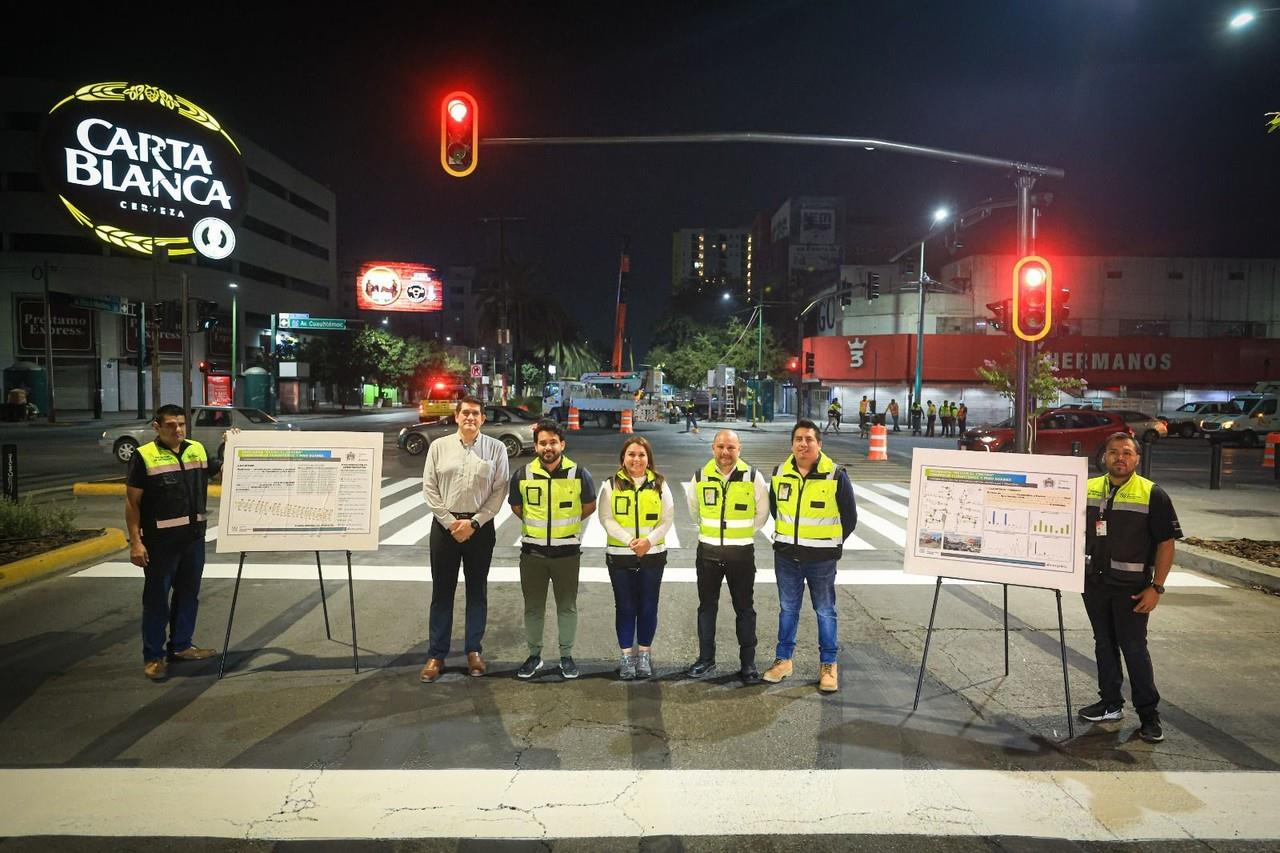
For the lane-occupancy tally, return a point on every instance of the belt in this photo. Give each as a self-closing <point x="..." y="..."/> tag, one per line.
<point x="463" y="515"/>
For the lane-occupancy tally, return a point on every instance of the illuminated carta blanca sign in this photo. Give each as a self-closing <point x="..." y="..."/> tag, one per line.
<point x="144" y="168"/>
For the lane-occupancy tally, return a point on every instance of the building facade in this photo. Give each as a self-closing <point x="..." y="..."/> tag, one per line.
<point x="710" y="260"/>
<point x="284" y="260"/>
<point x="1156" y="332"/>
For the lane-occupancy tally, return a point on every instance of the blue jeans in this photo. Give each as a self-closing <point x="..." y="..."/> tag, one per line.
<point x="821" y="577"/>
<point x="635" y="601"/>
<point x="170" y="570"/>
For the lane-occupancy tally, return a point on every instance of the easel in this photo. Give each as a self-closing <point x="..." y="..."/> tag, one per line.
<point x="1062" y="641"/>
<point x="355" y="656"/>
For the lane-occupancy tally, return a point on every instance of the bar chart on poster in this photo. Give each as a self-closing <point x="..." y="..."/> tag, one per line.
<point x="312" y="491"/>
<point x="1004" y="518"/>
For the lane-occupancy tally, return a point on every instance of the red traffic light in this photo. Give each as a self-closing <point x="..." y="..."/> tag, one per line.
<point x="459" y="134"/>
<point x="1032" y="309"/>
<point x="793" y="364"/>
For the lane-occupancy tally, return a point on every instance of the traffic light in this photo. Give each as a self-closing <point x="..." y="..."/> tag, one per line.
<point x="1061" y="311"/>
<point x="808" y="362"/>
<point x="793" y="364"/>
<point x="873" y="286"/>
<point x="1032" y="310"/>
<point x="206" y="315"/>
<point x="459" y="134"/>
<point x="208" y="367"/>
<point x="1000" y="312"/>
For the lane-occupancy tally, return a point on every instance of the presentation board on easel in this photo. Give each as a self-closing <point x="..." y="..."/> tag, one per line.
<point x="1000" y="517"/>
<point x="300" y="491"/>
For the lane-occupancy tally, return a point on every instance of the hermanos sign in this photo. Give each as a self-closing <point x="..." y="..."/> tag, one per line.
<point x="143" y="168"/>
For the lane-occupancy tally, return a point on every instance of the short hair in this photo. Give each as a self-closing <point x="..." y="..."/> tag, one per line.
<point x="805" y="423"/>
<point x="462" y="401"/>
<point x="1122" y="436"/>
<point x="547" y="425"/>
<point x="169" y="410"/>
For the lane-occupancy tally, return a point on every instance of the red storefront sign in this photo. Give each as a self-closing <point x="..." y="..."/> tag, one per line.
<point x="217" y="390"/>
<point x="73" y="328"/>
<point x="1100" y="361"/>
<point x="170" y="342"/>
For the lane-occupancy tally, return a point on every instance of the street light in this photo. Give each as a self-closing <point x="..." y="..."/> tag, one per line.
<point x="940" y="216"/>
<point x="384" y="321"/>
<point x="235" y="289"/>
<point x="725" y="297"/>
<point x="1245" y="17"/>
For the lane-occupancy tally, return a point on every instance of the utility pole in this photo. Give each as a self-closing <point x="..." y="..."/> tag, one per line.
<point x="186" y="346"/>
<point x="160" y="253"/>
<point x="504" y="318"/>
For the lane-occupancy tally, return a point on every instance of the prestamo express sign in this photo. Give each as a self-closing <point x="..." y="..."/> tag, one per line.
<point x="143" y="168"/>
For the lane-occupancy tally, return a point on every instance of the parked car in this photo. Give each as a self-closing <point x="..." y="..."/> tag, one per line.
<point x="1186" y="420"/>
<point x="206" y="425"/>
<point x="512" y="426"/>
<point x="1057" y="430"/>
<point x="1145" y="427"/>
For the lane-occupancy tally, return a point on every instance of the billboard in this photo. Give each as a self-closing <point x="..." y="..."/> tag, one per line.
<point x="817" y="225"/>
<point x="393" y="286"/>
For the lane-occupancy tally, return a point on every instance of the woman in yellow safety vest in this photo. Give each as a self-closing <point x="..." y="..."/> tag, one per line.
<point x="637" y="511"/>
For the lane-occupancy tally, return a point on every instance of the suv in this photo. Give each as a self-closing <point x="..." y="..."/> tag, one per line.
<point x="1057" y="431"/>
<point x="1185" y="420"/>
<point x="1256" y="417"/>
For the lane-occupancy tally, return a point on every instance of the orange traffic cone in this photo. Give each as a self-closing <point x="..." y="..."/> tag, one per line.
<point x="1269" y="456"/>
<point x="626" y="421"/>
<point x="574" y="425"/>
<point x="879" y="447"/>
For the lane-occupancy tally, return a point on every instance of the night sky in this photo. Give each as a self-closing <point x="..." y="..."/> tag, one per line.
<point x="1154" y="109"/>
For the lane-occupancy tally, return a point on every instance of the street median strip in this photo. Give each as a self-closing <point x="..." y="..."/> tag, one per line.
<point x="111" y="489"/>
<point x="111" y="540"/>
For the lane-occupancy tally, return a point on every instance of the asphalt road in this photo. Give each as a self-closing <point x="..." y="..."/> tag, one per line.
<point x="293" y="745"/>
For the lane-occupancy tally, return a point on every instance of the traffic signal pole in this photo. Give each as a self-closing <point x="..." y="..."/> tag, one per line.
<point x="1024" y="349"/>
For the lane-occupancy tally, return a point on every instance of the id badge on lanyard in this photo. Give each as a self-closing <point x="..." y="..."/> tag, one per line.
<point x="1100" y="526"/>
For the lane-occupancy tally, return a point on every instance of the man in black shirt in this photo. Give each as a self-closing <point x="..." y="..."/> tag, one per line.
<point x="1130" y="529"/>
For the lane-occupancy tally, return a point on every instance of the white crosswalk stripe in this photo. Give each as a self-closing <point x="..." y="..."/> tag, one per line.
<point x="405" y="522"/>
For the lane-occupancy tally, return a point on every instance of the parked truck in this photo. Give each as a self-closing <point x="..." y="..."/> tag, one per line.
<point x="600" y="398"/>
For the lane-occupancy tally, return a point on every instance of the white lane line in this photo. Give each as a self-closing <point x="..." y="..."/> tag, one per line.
<point x="497" y="804"/>
<point x="337" y="569"/>
<point x="887" y="529"/>
<point x="400" y="507"/>
<point x="398" y="486"/>
<point x="417" y="531"/>
<point x="893" y="489"/>
<point x="211" y="533"/>
<point x="893" y="506"/>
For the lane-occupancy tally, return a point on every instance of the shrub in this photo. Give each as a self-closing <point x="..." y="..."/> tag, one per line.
<point x="27" y="520"/>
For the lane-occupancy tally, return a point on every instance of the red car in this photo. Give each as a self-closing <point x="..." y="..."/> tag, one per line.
<point x="1057" y="430"/>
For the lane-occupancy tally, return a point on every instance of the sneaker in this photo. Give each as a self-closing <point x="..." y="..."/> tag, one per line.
<point x="627" y="667"/>
<point x="702" y="667"/>
<point x="644" y="666"/>
<point x="156" y="670"/>
<point x="1100" y="711"/>
<point x="193" y="653"/>
<point x="568" y="669"/>
<point x="781" y="669"/>
<point x="530" y="667"/>
<point x="828" y="678"/>
<point x="1151" y="731"/>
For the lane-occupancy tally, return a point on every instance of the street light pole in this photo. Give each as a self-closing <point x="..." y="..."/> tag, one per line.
<point x="939" y="216"/>
<point x="235" y="342"/>
<point x="755" y="399"/>
<point x="1023" y="349"/>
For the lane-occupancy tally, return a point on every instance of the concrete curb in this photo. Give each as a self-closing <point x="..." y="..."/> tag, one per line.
<point x="1226" y="566"/>
<point x="29" y="568"/>
<point x="118" y="489"/>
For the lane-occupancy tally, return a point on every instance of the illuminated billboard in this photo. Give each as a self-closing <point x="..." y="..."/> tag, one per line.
<point x="389" y="286"/>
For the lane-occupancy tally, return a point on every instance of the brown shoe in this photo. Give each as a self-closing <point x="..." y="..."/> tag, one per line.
<point x="781" y="669"/>
<point x="193" y="653"/>
<point x="476" y="666"/>
<point x="156" y="670"/>
<point x="828" y="679"/>
<point x="432" y="670"/>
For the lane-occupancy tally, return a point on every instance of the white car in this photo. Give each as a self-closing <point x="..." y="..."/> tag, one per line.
<point x="207" y="424"/>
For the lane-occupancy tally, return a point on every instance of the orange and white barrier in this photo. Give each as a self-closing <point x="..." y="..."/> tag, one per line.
<point x="879" y="447"/>
<point x="626" y="422"/>
<point x="574" y="423"/>
<point x="1269" y="456"/>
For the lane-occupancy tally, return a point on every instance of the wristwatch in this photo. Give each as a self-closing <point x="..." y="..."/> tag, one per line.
<point x="1157" y="587"/>
<point x="475" y="525"/>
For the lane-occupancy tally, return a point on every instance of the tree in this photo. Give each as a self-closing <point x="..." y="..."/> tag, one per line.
<point x="388" y="359"/>
<point x="1043" y="382"/>
<point x="687" y="349"/>
<point x="333" y="362"/>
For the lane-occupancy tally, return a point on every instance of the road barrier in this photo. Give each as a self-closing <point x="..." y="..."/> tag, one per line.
<point x="878" y="450"/>
<point x="626" y="422"/>
<point x="1269" y="457"/>
<point x="574" y="423"/>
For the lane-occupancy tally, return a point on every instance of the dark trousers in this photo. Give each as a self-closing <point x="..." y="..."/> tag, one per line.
<point x="932" y="419"/>
<point x="740" y="573"/>
<point x="635" y="601"/>
<point x="171" y="597"/>
<point x="895" y="423"/>
<point x="962" y="423"/>
<point x="1117" y="631"/>
<point x="474" y="556"/>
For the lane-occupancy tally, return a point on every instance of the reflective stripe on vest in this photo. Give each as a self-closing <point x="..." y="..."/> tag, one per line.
<point x="726" y="508"/>
<point x="635" y="509"/>
<point x="551" y="506"/>
<point x="171" y="495"/>
<point x="1128" y="542"/>
<point x="806" y="508"/>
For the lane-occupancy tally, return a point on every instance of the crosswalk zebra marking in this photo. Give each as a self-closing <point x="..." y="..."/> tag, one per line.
<point x="880" y="500"/>
<point x="893" y="489"/>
